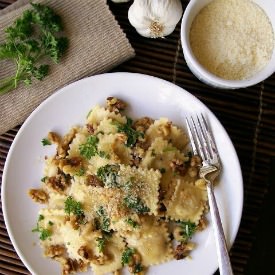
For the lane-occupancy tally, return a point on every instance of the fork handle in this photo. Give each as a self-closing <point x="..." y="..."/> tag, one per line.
<point x="225" y="267"/>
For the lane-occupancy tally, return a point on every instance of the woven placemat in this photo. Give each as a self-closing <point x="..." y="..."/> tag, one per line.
<point x="247" y="115"/>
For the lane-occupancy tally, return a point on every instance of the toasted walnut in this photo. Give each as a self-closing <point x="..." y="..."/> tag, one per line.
<point x="193" y="172"/>
<point x="178" y="166"/>
<point x="183" y="250"/>
<point x="202" y="223"/>
<point x="93" y="181"/>
<point x="121" y="137"/>
<point x="54" y="138"/>
<point x="72" y="266"/>
<point x="63" y="146"/>
<point x="165" y="129"/>
<point x="84" y="252"/>
<point x="115" y="104"/>
<point x="195" y="161"/>
<point x="90" y="128"/>
<point x="143" y="124"/>
<point x="38" y="195"/>
<point x="75" y="220"/>
<point x="58" y="183"/>
<point x="75" y="161"/>
<point x="54" y="251"/>
<point x="100" y="260"/>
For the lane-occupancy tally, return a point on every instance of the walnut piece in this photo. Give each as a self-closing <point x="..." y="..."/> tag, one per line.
<point x="93" y="180"/>
<point x="115" y="105"/>
<point x="54" y="251"/>
<point x="38" y="195"/>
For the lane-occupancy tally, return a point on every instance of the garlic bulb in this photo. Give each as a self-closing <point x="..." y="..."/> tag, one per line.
<point x="155" y="18"/>
<point x="120" y="1"/>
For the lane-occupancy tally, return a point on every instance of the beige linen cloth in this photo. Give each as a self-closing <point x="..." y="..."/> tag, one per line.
<point x="96" y="44"/>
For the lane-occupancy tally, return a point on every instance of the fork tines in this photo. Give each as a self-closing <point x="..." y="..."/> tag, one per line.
<point x="201" y="139"/>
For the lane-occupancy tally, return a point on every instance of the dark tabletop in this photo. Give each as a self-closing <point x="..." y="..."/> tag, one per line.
<point x="247" y="114"/>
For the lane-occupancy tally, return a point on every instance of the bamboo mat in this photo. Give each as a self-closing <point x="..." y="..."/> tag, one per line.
<point x="248" y="115"/>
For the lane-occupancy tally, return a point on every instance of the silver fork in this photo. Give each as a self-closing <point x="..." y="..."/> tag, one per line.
<point x="203" y="145"/>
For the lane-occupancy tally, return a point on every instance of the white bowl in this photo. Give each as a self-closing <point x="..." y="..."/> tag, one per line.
<point x="199" y="71"/>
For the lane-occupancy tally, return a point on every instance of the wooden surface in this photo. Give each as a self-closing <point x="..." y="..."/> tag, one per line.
<point x="248" y="115"/>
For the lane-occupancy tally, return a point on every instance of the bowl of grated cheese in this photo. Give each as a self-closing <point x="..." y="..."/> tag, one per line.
<point x="229" y="44"/>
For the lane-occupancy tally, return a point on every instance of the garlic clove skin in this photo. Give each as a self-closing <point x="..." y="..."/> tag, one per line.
<point x="120" y="1"/>
<point x="155" y="18"/>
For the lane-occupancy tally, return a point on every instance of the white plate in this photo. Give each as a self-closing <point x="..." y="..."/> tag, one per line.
<point x="147" y="96"/>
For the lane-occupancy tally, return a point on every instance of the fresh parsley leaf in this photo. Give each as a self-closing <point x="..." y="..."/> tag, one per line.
<point x="45" y="142"/>
<point x="104" y="221"/>
<point x="131" y="222"/>
<point x="44" y="179"/>
<point x="132" y="134"/>
<point x="44" y="232"/>
<point x="73" y="206"/>
<point x="127" y="255"/>
<point x="136" y="204"/>
<point x="29" y="41"/>
<point x="101" y="242"/>
<point x="89" y="148"/>
<point x="188" y="230"/>
<point x="81" y="172"/>
<point x="108" y="174"/>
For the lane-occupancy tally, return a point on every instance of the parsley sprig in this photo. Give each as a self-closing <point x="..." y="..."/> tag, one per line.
<point x="136" y="204"/>
<point x="108" y="174"/>
<point x="31" y="38"/>
<point x="104" y="221"/>
<point x="73" y="206"/>
<point x="132" y="134"/>
<point x="44" y="232"/>
<point x="89" y="148"/>
<point x="188" y="230"/>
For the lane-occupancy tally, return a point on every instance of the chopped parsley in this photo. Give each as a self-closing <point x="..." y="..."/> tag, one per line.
<point x="73" y="206"/>
<point x="89" y="148"/>
<point x="127" y="256"/>
<point x="108" y="174"/>
<point x="45" y="142"/>
<point x="44" y="179"/>
<point x="131" y="222"/>
<point x="81" y="172"/>
<point x="32" y="38"/>
<point x="44" y="232"/>
<point x="132" y="134"/>
<point x="136" y="204"/>
<point x="50" y="223"/>
<point x="104" y="221"/>
<point x="101" y="241"/>
<point x="188" y="230"/>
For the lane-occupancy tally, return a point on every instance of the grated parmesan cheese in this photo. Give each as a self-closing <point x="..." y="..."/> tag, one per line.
<point x="232" y="39"/>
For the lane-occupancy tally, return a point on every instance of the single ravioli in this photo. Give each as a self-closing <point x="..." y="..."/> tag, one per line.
<point x="188" y="202"/>
<point x="151" y="241"/>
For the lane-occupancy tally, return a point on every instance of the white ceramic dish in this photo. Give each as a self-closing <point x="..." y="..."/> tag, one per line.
<point x="199" y="71"/>
<point x="146" y="95"/>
